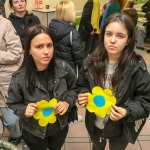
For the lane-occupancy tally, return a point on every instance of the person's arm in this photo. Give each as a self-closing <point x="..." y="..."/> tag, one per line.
<point x="15" y="99"/>
<point x="13" y="49"/>
<point x="70" y="96"/>
<point x="139" y="106"/>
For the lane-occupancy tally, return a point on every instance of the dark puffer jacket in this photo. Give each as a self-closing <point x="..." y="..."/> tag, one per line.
<point x="68" y="49"/>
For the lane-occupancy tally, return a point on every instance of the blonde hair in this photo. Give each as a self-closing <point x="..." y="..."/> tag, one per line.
<point x="65" y="11"/>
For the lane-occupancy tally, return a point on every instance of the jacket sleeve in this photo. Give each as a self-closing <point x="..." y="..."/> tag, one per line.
<point x="15" y="99"/>
<point x="77" y="49"/>
<point x="13" y="47"/>
<point x="71" y="95"/>
<point x="82" y="82"/>
<point x="139" y="104"/>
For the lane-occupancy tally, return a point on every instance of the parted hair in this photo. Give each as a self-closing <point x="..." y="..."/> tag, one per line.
<point x="99" y="58"/>
<point x="65" y="11"/>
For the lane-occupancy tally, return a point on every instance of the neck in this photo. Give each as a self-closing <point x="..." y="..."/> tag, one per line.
<point x="20" y="14"/>
<point x="113" y="59"/>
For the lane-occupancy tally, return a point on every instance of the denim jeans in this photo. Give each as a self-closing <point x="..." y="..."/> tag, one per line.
<point x="11" y="121"/>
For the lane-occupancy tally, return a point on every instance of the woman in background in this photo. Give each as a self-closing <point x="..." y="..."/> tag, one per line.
<point x="67" y="38"/>
<point x="20" y="18"/>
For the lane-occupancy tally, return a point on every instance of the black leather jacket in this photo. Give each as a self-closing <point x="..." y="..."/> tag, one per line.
<point x="64" y="88"/>
<point x="133" y="94"/>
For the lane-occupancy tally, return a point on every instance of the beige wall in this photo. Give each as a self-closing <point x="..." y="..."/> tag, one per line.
<point x="30" y="4"/>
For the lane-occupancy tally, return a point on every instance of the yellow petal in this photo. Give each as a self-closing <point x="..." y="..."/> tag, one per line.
<point x="38" y="114"/>
<point x="108" y="91"/>
<point x="97" y="90"/>
<point x="43" y="121"/>
<point x="52" y="118"/>
<point x="42" y="104"/>
<point x="52" y="102"/>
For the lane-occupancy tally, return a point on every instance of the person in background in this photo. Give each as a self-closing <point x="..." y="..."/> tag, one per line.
<point x="143" y="34"/>
<point x="113" y="6"/>
<point x="20" y="18"/>
<point x="67" y="39"/>
<point x="10" y="59"/>
<point x="45" y="77"/>
<point x="89" y="25"/>
<point x="145" y="6"/>
<point x="131" y="12"/>
<point x="2" y="8"/>
<point x="114" y="65"/>
<point x="103" y="10"/>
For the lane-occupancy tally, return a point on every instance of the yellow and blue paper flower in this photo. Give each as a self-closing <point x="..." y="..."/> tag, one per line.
<point x="45" y="112"/>
<point x="100" y="101"/>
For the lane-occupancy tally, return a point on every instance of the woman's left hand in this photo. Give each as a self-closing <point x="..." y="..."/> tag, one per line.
<point x="117" y="113"/>
<point x="61" y="108"/>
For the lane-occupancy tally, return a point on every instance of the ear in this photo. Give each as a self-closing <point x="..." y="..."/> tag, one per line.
<point x="128" y="41"/>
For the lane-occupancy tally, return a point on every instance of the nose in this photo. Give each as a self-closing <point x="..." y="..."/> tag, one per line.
<point x="45" y="50"/>
<point x="113" y="39"/>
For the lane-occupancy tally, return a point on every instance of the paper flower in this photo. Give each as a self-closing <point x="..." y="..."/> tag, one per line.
<point x="100" y="101"/>
<point x="45" y="112"/>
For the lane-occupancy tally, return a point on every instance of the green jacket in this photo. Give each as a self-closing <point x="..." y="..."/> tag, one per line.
<point x="113" y="8"/>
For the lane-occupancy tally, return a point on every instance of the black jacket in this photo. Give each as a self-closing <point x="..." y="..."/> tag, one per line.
<point x="68" y="49"/>
<point x="64" y="88"/>
<point x="133" y="94"/>
<point x="20" y="24"/>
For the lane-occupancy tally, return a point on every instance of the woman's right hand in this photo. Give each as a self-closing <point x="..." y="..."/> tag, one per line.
<point x="31" y="109"/>
<point x="82" y="99"/>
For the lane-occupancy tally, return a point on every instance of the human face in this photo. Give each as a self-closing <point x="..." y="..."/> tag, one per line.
<point x="115" y="39"/>
<point x="19" y="5"/>
<point x="42" y="50"/>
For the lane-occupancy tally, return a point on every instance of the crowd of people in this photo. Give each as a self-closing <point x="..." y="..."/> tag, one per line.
<point x="59" y="65"/>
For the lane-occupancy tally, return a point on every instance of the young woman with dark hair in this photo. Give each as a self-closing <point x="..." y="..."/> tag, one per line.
<point x="41" y="78"/>
<point x="115" y="65"/>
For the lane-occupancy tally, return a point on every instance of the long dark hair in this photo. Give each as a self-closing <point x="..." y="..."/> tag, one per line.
<point x="99" y="58"/>
<point x="28" y="63"/>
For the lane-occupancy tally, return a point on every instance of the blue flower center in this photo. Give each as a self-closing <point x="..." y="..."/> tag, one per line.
<point x="99" y="101"/>
<point x="47" y="111"/>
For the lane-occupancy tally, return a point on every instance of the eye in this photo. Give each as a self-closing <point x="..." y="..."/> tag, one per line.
<point x="108" y="34"/>
<point x="120" y="36"/>
<point x="39" y="47"/>
<point x="50" y="45"/>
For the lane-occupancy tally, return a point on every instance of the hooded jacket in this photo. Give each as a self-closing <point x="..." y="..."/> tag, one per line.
<point x="20" y="24"/>
<point x="68" y="47"/>
<point x="132" y="13"/>
<point x="133" y="94"/>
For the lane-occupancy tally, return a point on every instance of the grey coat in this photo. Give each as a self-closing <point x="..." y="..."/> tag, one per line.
<point x="11" y="56"/>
